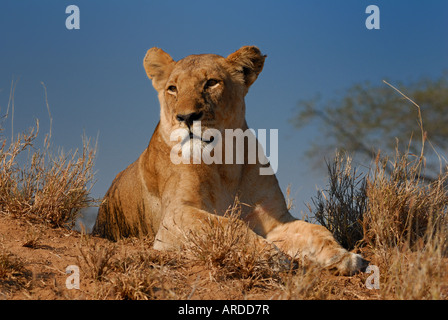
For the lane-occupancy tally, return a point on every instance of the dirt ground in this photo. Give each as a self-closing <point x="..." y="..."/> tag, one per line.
<point x="34" y="260"/>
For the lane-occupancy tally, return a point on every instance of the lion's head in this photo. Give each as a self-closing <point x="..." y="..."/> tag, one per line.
<point x="207" y="88"/>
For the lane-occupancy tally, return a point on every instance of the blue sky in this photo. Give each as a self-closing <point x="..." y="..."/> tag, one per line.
<point x="96" y="83"/>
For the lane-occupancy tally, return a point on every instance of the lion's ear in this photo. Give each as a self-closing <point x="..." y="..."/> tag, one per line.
<point x="158" y="65"/>
<point x="249" y="61"/>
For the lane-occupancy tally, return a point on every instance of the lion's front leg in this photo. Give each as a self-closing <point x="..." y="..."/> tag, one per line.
<point x="178" y="223"/>
<point x="315" y="243"/>
<point x="189" y="223"/>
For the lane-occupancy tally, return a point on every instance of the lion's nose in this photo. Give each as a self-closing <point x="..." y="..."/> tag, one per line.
<point x="189" y="118"/>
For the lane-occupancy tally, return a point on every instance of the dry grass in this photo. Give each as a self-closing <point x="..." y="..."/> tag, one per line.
<point x="402" y="209"/>
<point x="38" y="185"/>
<point x="13" y="275"/>
<point x="9" y="264"/>
<point x="406" y="226"/>
<point x="137" y="284"/>
<point x="341" y="206"/>
<point x="32" y="236"/>
<point x="142" y="274"/>
<point x="414" y="274"/>
<point x="404" y="220"/>
<point x="95" y="259"/>
<point x="304" y="284"/>
<point x="148" y="276"/>
<point x="228" y="251"/>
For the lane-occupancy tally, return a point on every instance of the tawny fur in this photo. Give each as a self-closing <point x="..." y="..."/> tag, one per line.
<point x="155" y="197"/>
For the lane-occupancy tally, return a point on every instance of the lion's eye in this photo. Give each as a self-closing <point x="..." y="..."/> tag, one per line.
<point x="211" y="83"/>
<point x="172" y="89"/>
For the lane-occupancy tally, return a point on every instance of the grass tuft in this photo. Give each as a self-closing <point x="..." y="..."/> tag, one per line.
<point x="340" y="207"/>
<point x="228" y="252"/>
<point x="41" y="186"/>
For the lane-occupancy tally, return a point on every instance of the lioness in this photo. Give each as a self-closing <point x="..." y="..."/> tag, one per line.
<point x="154" y="196"/>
